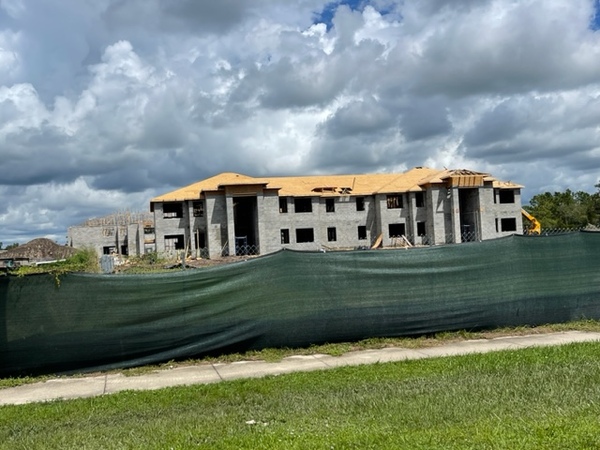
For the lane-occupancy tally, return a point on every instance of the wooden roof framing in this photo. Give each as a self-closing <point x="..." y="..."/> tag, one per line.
<point x="413" y="180"/>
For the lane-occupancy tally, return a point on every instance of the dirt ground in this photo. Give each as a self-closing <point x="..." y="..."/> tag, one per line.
<point x="215" y="262"/>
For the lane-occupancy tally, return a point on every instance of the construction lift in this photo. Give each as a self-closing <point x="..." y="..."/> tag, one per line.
<point x="535" y="227"/>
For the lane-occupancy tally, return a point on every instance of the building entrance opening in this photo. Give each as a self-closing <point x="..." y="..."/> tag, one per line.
<point x="245" y="219"/>
<point x="469" y="214"/>
<point x="200" y="244"/>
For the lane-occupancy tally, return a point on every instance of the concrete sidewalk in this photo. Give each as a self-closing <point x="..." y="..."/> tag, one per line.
<point x="71" y="387"/>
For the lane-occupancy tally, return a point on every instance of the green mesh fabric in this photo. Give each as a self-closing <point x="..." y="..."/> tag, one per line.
<point x="293" y="299"/>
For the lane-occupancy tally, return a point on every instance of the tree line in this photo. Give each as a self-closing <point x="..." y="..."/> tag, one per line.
<point x="8" y="247"/>
<point x="566" y="209"/>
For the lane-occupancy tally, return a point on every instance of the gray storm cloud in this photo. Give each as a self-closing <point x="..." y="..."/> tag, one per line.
<point x="106" y="104"/>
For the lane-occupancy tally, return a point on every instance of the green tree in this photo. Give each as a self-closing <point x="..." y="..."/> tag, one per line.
<point x="566" y="209"/>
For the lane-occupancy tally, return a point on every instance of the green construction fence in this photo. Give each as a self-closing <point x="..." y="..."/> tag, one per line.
<point x="90" y="322"/>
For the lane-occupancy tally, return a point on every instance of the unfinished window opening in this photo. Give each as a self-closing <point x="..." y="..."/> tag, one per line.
<point x="172" y="210"/>
<point x="148" y="230"/>
<point x="329" y="205"/>
<point x="109" y="250"/>
<point x="303" y="205"/>
<point x="198" y="208"/>
<point x="283" y="202"/>
<point x="106" y="232"/>
<point x="421" y="229"/>
<point x="506" y="196"/>
<point x="360" y="203"/>
<point x="420" y="199"/>
<point x="200" y="239"/>
<point x="305" y="235"/>
<point x="331" y="234"/>
<point x="174" y="242"/>
<point x="508" y="224"/>
<point x="285" y="236"/>
<point x="394" y="201"/>
<point x="362" y="232"/>
<point x="397" y="229"/>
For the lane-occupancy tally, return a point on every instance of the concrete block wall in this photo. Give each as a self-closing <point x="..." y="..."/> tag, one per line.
<point x="388" y="216"/>
<point x="420" y="214"/>
<point x="345" y="219"/>
<point x="215" y="209"/>
<point x="135" y="239"/>
<point x="269" y="236"/>
<point x="440" y="215"/>
<point x="293" y="221"/>
<point x="169" y="226"/>
<point x="439" y="207"/>
<point x="488" y="213"/>
<point x="96" y="237"/>
<point x="499" y="211"/>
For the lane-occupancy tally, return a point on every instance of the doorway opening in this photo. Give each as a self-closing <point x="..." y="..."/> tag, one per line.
<point x="468" y="200"/>
<point x="245" y="219"/>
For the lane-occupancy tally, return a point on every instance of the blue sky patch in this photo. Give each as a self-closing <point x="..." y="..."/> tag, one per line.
<point x="326" y="16"/>
<point x="595" y="19"/>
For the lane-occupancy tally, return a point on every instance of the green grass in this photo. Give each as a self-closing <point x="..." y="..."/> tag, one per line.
<point x="539" y="398"/>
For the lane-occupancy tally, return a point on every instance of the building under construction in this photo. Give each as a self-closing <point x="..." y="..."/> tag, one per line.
<point x="234" y="214"/>
<point x="122" y="233"/>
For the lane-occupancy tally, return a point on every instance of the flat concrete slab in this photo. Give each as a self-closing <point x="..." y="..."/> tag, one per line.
<point x="80" y="387"/>
<point x="255" y="369"/>
<point x="57" y="389"/>
<point x="565" y="337"/>
<point x="373" y="357"/>
<point x="178" y="376"/>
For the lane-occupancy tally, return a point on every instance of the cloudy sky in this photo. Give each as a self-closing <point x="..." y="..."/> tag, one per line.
<point x="107" y="103"/>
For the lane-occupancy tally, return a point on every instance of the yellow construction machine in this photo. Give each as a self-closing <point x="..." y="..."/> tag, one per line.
<point x="535" y="227"/>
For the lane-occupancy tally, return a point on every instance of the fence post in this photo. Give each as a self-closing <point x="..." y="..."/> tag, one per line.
<point x="4" y="282"/>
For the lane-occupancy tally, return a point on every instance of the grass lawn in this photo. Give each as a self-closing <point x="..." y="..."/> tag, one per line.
<point x="539" y="398"/>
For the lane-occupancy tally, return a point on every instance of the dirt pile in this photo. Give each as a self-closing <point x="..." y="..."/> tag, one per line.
<point x="40" y="249"/>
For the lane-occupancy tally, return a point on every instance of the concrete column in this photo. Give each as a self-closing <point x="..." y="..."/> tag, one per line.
<point x="435" y="219"/>
<point x="411" y="220"/>
<point x="455" y="206"/>
<point x="261" y="235"/>
<point x="479" y="216"/>
<point x="134" y="230"/>
<point x="187" y="234"/>
<point x="378" y="219"/>
<point x="216" y="220"/>
<point x="230" y="225"/>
